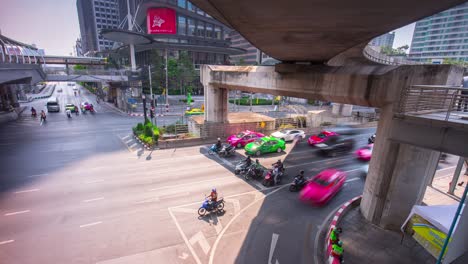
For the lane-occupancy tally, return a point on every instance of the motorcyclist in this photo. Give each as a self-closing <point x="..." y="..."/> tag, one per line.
<point x="279" y="165"/>
<point x="218" y="145"/>
<point x="68" y="112"/>
<point x="300" y="176"/>
<point x="248" y="161"/>
<point x="33" y="112"/>
<point x="76" y="110"/>
<point x="43" y="115"/>
<point x="337" y="250"/>
<point x="213" y="196"/>
<point x="335" y="235"/>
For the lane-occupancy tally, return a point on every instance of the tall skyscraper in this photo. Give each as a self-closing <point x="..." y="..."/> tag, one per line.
<point x="93" y="16"/>
<point x="386" y="40"/>
<point x="441" y="36"/>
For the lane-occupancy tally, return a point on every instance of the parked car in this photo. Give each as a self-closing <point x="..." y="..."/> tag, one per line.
<point x="288" y="134"/>
<point x="243" y="138"/>
<point x="265" y="145"/>
<point x="321" y="137"/>
<point x="323" y="187"/>
<point x="336" y="145"/>
<point x="365" y="153"/>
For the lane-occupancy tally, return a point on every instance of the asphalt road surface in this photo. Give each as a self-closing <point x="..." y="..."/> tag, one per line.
<point x="72" y="191"/>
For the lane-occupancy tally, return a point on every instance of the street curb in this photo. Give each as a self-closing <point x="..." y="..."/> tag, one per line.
<point x="344" y="208"/>
<point x="141" y="115"/>
<point x="147" y="147"/>
<point x="46" y="96"/>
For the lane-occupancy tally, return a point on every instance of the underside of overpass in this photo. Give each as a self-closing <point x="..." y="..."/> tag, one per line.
<point x="317" y="30"/>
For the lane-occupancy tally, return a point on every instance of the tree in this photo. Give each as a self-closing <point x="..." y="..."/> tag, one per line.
<point x="455" y="62"/>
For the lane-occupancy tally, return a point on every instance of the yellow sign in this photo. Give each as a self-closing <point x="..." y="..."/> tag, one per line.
<point x="262" y="124"/>
<point x="429" y="237"/>
<point x="203" y="107"/>
<point x="164" y="91"/>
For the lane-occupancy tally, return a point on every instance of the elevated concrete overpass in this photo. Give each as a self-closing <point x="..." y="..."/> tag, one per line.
<point x="318" y="31"/>
<point x="330" y="37"/>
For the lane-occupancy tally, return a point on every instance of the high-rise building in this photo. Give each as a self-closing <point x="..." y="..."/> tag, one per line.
<point x="385" y="40"/>
<point x="252" y="56"/>
<point x="78" y="48"/>
<point x="203" y="37"/>
<point x="93" y="16"/>
<point x="441" y="36"/>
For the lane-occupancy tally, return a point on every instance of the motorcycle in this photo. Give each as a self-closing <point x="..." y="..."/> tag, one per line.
<point x="213" y="149"/>
<point x="208" y="207"/>
<point x="226" y="151"/>
<point x="241" y="167"/>
<point x="297" y="184"/>
<point x="34" y="114"/>
<point x="253" y="172"/>
<point x="272" y="177"/>
<point x="69" y="114"/>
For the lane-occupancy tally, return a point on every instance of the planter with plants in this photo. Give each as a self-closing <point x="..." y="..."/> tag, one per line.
<point x="147" y="134"/>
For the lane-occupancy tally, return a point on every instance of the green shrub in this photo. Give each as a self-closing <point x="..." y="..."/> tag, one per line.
<point x="139" y="126"/>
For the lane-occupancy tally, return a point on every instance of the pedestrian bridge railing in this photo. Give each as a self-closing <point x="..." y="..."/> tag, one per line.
<point x="375" y="56"/>
<point x="447" y="103"/>
<point x="70" y="71"/>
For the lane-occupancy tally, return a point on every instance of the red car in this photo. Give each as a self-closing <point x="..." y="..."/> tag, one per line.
<point x="365" y="153"/>
<point x="243" y="138"/>
<point x="320" y="138"/>
<point x="323" y="186"/>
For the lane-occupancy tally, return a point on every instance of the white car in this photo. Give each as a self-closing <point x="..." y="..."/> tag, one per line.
<point x="288" y="134"/>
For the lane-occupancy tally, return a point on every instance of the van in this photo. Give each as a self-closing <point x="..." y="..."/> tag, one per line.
<point x="53" y="105"/>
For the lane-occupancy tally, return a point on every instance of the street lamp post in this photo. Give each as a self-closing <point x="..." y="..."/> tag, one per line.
<point x="167" y="83"/>
<point x="144" y="107"/>
<point x="153" y="105"/>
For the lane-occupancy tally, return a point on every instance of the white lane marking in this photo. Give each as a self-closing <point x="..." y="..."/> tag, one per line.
<point x="128" y="141"/>
<point x="353" y="179"/>
<point x="135" y="144"/>
<point x="6" y="242"/>
<point x="174" y="195"/>
<point x="191" y="183"/>
<point x="320" y="161"/>
<point x="26" y="191"/>
<point x="19" y="212"/>
<point x="274" y="240"/>
<point x="236" y="205"/>
<point x="448" y="168"/>
<point x="93" y="200"/>
<point x="93" y="181"/>
<point x="218" y="238"/>
<point x="259" y="185"/>
<point x="127" y="136"/>
<point x="150" y="200"/>
<point x="184" y="237"/>
<point x="201" y="240"/>
<point x="91" y="224"/>
<point x="348" y="171"/>
<point x="183" y="210"/>
<point x="37" y="175"/>
<point x="184" y="256"/>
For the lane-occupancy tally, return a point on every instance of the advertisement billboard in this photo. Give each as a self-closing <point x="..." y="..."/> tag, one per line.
<point x="161" y="21"/>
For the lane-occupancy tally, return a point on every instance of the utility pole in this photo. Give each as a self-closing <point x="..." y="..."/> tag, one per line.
<point x="167" y="83"/>
<point x="153" y="114"/>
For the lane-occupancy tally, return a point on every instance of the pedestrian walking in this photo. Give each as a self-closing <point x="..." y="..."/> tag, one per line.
<point x="462" y="104"/>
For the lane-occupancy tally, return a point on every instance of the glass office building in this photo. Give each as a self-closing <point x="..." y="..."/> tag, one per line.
<point x="441" y="36"/>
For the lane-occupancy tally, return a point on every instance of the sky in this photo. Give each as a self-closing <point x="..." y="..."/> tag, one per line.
<point x="53" y="24"/>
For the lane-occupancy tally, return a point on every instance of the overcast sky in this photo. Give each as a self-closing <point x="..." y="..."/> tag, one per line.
<point x="53" y="24"/>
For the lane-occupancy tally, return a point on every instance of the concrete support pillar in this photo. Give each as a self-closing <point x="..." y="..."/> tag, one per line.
<point x="216" y="104"/>
<point x="397" y="179"/>
<point x="346" y="110"/>
<point x="336" y="109"/>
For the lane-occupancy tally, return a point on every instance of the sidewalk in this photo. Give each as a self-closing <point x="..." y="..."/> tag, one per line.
<point x="364" y="242"/>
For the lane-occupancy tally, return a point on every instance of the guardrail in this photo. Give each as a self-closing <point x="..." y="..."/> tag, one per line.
<point x="381" y="58"/>
<point x="113" y="72"/>
<point x="427" y="99"/>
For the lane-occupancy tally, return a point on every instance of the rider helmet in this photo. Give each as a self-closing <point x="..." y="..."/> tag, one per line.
<point x="301" y="172"/>
<point x="219" y="139"/>
<point x="213" y="190"/>
<point x="340" y="243"/>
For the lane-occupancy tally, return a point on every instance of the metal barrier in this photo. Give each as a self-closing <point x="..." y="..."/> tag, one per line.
<point x="381" y="58"/>
<point x="427" y="99"/>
